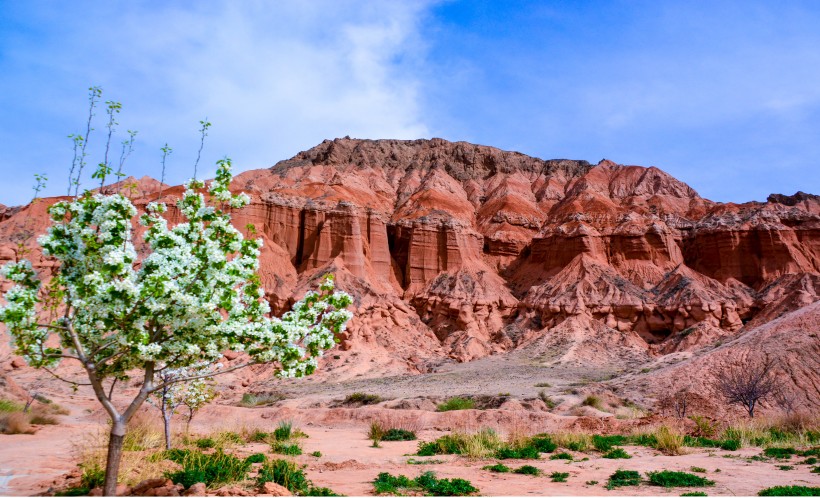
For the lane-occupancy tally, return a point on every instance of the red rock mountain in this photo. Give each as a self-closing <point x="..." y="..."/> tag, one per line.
<point x="457" y="251"/>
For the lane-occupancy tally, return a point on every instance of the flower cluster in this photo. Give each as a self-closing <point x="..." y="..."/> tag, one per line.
<point x="194" y="294"/>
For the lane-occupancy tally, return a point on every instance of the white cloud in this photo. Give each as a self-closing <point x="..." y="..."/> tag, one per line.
<point x="273" y="77"/>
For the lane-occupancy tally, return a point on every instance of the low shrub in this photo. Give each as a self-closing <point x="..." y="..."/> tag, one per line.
<point x="701" y="442"/>
<point x="561" y="456"/>
<point x="256" y="458"/>
<point x="359" y="398"/>
<point x="317" y="454"/>
<point x="284" y="431"/>
<point x="730" y="444"/>
<point x="668" y="440"/>
<point x="499" y="467"/>
<point x="205" y="443"/>
<point x="816" y="470"/>
<point x="292" y="449"/>
<point x="215" y="468"/>
<point x="672" y="479"/>
<point x="427" y="482"/>
<point x="258" y="436"/>
<point x="251" y="400"/>
<point x="779" y="452"/>
<point x="456" y="403"/>
<point x="694" y="493"/>
<point x="606" y="443"/>
<point x="591" y="483"/>
<point x="399" y="435"/>
<point x="593" y="401"/>
<point x="525" y="452"/>
<point x="616" y="453"/>
<point x="573" y="441"/>
<point x="284" y="473"/>
<point x="559" y="476"/>
<point x="548" y="401"/>
<point x="528" y="470"/>
<point x="809" y="461"/>
<point x="699" y="470"/>
<point x="92" y="477"/>
<point x="543" y="444"/>
<point x="475" y="445"/>
<point x="624" y="478"/>
<point x="785" y="467"/>
<point x="790" y="491"/>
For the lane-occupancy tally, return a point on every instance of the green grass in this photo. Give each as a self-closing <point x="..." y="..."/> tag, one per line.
<point x="616" y="453"/>
<point x="256" y="458"/>
<point x="426" y="482"/>
<point x="526" y="452"/>
<point x="785" y="467"/>
<point x="284" y="473"/>
<point x="9" y="406"/>
<point x="499" y="467"/>
<point x="292" y="449"/>
<point x="809" y="461"/>
<point x="480" y="444"/>
<point x="283" y="431"/>
<point x="593" y="401"/>
<point x="779" y="452"/>
<point x="559" y="476"/>
<point x="258" y="436"/>
<point x="694" y="493"/>
<point x="591" y="483"/>
<point x="209" y="469"/>
<point x="528" y="470"/>
<point x="672" y="479"/>
<point x="399" y="435"/>
<point x="606" y="443"/>
<point x="543" y="444"/>
<point x="790" y="491"/>
<point x="317" y="454"/>
<point x="456" y="403"/>
<point x="699" y="470"/>
<point x="561" y="456"/>
<point x="205" y="443"/>
<point x="624" y="478"/>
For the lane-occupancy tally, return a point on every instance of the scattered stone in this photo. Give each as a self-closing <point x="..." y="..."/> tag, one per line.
<point x="273" y="489"/>
<point x="198" y="489"/>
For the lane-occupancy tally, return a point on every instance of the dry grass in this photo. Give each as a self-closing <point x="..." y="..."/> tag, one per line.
<point x="145" y="432"/>
<point x="575" y="441"/>
<point x="669" y="440"/>
<point x="798" y="429"/>
<point x="15" y="423"/>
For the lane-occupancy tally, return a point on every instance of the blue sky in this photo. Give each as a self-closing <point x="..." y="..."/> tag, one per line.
<point x="723" y="95"/>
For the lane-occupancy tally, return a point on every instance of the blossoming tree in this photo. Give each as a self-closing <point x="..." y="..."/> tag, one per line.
<point x="193" y="394"/>
<point x="194" y="293"/>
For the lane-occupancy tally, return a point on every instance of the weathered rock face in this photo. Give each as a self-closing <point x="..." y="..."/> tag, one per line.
<point x="459" y="250"/>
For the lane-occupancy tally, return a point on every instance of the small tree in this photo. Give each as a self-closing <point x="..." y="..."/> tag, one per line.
<point x="193" y="294"/>
<point x="193" y="394"/>
<point x="747" y="383"/>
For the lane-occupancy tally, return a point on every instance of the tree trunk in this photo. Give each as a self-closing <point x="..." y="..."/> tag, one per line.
<point x="166" y="419"/>
<point x="112" y="466"/>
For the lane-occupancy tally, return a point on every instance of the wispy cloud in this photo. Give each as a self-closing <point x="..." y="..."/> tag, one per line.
<point x="273" y="77"/>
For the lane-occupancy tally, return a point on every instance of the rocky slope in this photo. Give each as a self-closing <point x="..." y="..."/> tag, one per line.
<point x="455" y="251"/>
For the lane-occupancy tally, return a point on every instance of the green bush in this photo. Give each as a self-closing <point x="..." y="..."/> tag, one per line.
<point x="593" y="401"/>
<point x="617" y="453"/>
<point x="258" y="437"/>
<point x="78" y="491"/>
<point x="559" y="476"/>
<point x="358" y="398"/>
<point x="499" y="467"/>
<point x="785" y="467"/>
<point x="205" y="443"/>
<point x="543" y="444"/>
<point x="427" y="482"/>
<point x="284" y="473"/>
<point x="399" y="435"/>
<point x="591" y="483"/>
<point x="694" y="493"/>
<point x="210" y="469"/>
<point x="809" y="461"/>
<point x="313" y="491"/>
<point x="701" y="442"/>
<point x="456" y="403"/>
<point x="779" y="452"/>
<point x="624" y="478"/>
<point x="699" y="470"/>
<point x="528" y="470"/>
<point x="526" y="452"/>
<point x="671" y="478"/>
<point x="730" y="445"/>
<point x="292" y="449"/>
<point x="790" y="491"/>
<point x="811" y="452"/>
<point x="561" y="456"/>
<point x="317" y="454"/>
<point x="606" y="443"/>
<point x="256" y="458"/>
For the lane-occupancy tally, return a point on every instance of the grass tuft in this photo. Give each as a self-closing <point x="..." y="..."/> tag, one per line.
<point x="456" y="403"/>
<point x="671" y="479"/>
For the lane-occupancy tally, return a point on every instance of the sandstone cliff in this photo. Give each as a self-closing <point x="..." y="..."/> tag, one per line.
<point x="454" y="251"/>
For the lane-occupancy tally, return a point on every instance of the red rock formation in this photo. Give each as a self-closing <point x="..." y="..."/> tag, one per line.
<point x="460" y="250"/>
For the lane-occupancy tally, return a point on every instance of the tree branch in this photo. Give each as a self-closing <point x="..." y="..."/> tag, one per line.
<point x="204" y="376"/>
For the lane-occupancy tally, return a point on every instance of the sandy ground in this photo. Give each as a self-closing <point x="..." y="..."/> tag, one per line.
<point x="30" y="464"/>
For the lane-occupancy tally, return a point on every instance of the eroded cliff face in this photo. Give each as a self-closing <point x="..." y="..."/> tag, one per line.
<point x="457" y="251"/>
